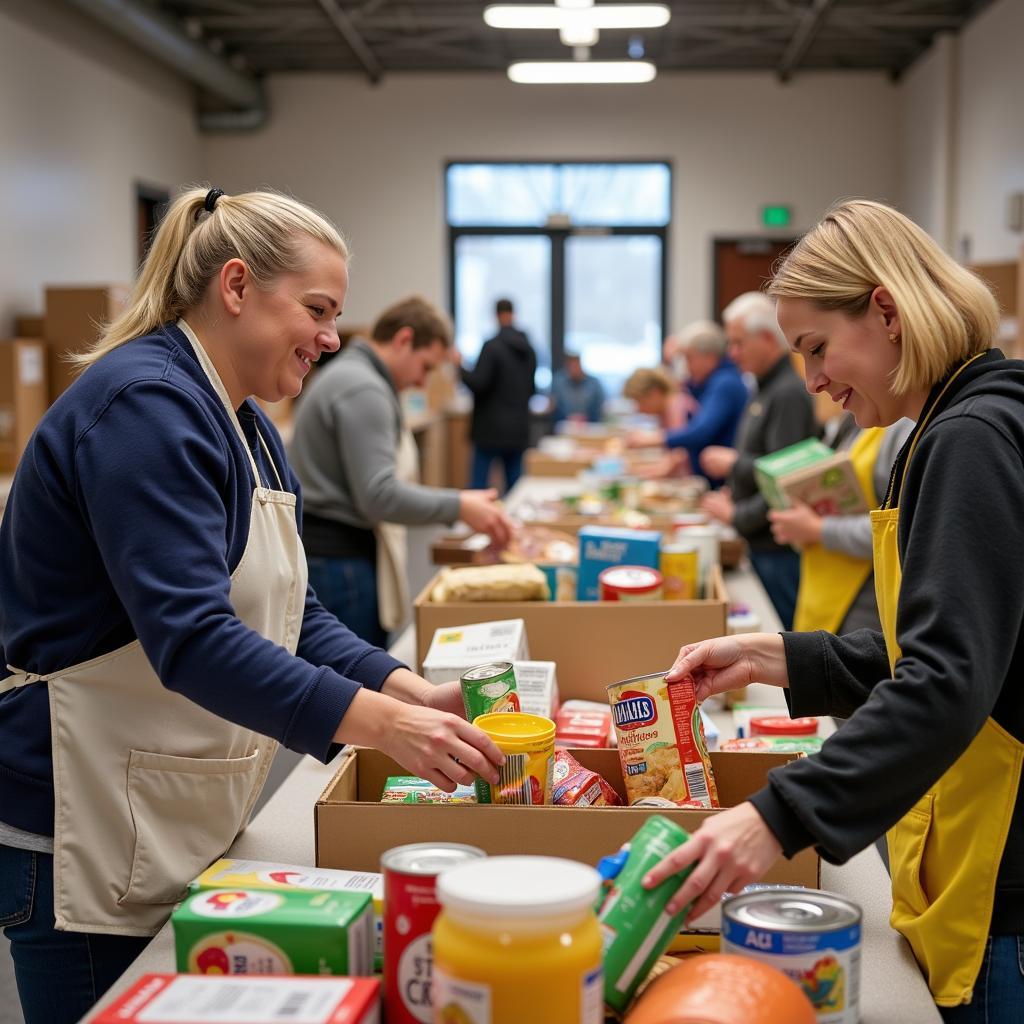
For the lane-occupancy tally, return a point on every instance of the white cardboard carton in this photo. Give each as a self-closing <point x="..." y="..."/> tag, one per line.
<point x="457" y="648"/>
<point x="537" y="686"/>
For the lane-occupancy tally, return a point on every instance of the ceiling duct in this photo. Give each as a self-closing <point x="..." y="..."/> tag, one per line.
<point x="163" y="38"/>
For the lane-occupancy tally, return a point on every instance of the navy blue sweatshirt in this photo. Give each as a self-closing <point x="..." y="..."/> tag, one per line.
<point x="723" y="397"/>
<point x="128" y="513"/>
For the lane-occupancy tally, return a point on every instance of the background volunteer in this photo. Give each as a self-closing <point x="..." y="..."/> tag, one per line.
<point x="359" y="470"/>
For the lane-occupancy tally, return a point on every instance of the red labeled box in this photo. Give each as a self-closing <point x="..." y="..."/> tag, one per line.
<point x="205" y="999"/>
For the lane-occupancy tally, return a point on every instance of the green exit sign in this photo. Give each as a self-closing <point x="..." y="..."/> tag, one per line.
<point x="776" y="216"/>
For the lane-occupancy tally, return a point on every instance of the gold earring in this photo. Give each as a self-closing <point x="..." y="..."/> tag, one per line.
<point x="893" y="338"/>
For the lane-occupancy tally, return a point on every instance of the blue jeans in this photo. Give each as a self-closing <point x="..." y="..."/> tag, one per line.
<point x="60" y="975"/>
<point x="779" y="572"/>
<point x="999" y="990"/>
<point x="348" y="588"/>
<point x="483" y="458"/>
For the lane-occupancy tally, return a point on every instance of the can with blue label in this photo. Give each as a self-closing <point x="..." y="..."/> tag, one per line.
<point x="811" y="936"/>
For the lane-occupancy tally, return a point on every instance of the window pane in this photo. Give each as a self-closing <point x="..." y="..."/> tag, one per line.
<point x="525" y="195"/>
<point x="614" y="194"/>
<point x="491" y="194"/>
<point x="613" y="305"/>
<point x="492" y="267"/>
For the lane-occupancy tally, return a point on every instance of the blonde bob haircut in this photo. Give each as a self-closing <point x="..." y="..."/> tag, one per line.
<point x="947" y="314"/>
<point x="643" y="381"/>
<point x="264" y="229"/>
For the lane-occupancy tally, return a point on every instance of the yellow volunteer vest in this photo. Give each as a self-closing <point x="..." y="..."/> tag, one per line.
<point x="831" y="580"/>
<point x="945" y="852"/>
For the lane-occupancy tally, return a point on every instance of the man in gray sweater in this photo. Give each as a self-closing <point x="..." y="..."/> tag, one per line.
<point x="356" y="462"/>
<point x="779" y="414"/>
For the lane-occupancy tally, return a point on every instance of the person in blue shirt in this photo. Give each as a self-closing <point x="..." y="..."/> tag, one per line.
<point x="717" y="386"/>
<point x="575" y="394"/>
<point x="157" y="625"/>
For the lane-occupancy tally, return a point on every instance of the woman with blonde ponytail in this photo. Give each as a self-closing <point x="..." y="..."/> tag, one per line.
<point x="157" y="625"/>
<point x="889" y="326"/>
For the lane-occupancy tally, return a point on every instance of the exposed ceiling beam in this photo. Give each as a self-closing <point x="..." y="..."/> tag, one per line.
<point x="811" y="21"/>
<point x="343" y="23"/>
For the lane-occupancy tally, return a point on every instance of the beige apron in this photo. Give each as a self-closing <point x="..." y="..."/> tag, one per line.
<point x="150" y="787"/>
<point x="392" y="544"/>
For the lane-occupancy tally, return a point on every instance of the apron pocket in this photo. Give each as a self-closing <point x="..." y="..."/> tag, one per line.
<point x="187" y="812"/>
<point x="907" y="841"/>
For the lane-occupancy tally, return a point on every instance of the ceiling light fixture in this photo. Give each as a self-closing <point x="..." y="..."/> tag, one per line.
<point x="607" y="16"/>
<point x="581" y="72"/>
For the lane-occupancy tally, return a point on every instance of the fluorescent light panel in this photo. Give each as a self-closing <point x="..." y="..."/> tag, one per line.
<point x="581" y="72"/>
<point x="545" y="16"/>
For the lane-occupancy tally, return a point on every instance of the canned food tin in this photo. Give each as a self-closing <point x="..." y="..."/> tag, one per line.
<point x="630" y="583"/>
<point x="680" y="568"/>
<point x="488" y="688"/>
<point x="528" y="743"/>
<point x="661" y="740"/>
<point x="780" y="725"/>
<point x="410" y="907"/>
<point x="809" y="935"/>
<point x="635" y="927"/>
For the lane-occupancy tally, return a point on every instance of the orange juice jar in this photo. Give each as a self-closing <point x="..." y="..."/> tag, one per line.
<point x="517" y="941"/>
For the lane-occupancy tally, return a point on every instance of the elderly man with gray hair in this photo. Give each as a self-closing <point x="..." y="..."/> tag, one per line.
<point x="718" y="389"/>
<point x="779" y="414"/>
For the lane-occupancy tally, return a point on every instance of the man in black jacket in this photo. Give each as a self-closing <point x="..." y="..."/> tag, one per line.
<point x="502" y="385"/>
<point x="779" y="414"/>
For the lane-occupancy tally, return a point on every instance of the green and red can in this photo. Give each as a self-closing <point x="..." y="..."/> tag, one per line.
<point x="635" y="927"/>
<point x="489" y="688"/>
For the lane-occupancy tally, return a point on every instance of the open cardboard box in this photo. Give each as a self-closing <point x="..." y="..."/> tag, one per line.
<point x="353" y="828"/>
<point x="593" y="643"/>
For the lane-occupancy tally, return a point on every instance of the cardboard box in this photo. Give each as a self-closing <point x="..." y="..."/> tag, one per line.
<point x="537" y="686"/>
<point x="353" y="828"/>
<point x="593" y="643"/>
<point x="813" y="473"/>
<point x="538" y="463"/>
<point x="30" y="326"/>
<point x="24" y="396"/>
<point x="74" y="318"/>
<point x="173" y="998"/>
<point x="463" y="549"/>
<point x="459" y="646"/>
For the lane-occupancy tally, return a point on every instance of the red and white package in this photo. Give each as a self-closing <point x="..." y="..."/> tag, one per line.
<point x="583" y="723"/>
<point x="576" y="786"/>
<point x="246" y="999"/>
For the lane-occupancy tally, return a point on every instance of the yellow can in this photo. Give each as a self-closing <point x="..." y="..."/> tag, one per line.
<point x="517" y="942"/>
<point x="680" y="567"/>
<point x="528" y="743"/>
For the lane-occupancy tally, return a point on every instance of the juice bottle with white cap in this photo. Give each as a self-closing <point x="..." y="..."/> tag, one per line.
<point x="517" y="941"/>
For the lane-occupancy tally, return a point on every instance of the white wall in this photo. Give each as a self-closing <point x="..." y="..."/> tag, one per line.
<point x="83" y="118"/>
<point x="991" y="134"/>
<point x="372" y="157"/>
<point x="927" y="118"/>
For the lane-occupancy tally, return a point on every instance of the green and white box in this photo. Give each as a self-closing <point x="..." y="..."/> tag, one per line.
<point x="249" y="931"/>
<point x="455" y="649"/>
<point x="812" y="473"/>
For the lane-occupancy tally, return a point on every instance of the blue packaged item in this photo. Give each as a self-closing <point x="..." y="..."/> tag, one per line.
<point x="604" y="546"/>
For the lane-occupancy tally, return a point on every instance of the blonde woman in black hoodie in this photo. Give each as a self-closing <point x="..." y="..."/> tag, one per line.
<point x="890" y="326"/>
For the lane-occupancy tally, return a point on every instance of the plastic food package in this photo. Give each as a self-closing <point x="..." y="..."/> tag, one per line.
<point x="513" y="582"/>
<point x="576" y="786"/>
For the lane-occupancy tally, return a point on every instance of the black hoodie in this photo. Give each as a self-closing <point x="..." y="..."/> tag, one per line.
<point x="960" y="627"/>
<point x="502" y="385"/>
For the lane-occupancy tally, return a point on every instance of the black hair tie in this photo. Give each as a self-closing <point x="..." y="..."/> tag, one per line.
<point x="211" y="199"/>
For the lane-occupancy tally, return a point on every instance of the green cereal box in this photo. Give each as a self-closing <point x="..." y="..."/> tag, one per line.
<point x="248" y="931"/>
<point x="812" y="473"/>
<point x="409" y="789"/>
